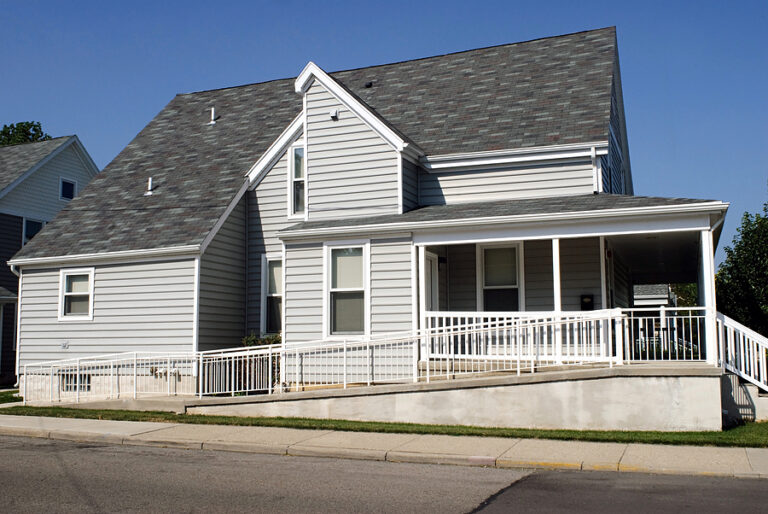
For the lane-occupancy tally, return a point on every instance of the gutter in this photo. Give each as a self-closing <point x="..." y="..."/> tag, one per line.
<point x="171" y="251"/>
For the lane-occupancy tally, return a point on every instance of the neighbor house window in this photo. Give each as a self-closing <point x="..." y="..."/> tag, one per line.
<point x="499" y="285"/>
<point x="298" y="180"/>
<point x="273" y="297"/>
<point x="347" y="290"/>
<point x="76" y="294"/>
<point x="31" y="227"/>
<point x="67" y="189"/>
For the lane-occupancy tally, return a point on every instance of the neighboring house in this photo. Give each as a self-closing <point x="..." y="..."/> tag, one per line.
<point x="653" y="295"/>
<point x="37" y="180"/>
<point x="364" y="202"/>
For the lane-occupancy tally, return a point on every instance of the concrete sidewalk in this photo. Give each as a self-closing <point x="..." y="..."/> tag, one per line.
<point x="432" y="449"/>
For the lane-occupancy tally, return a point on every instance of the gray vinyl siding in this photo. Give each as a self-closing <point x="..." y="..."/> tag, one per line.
<point x="391" y="306"/>
<point x="508" y="182"/>
<point x="621" y="287"/>
<point x="410" y="185"/>
<point x="222" y="285"/>
<point x="137" y="307"/>
<point x="37" y="196"/>
<point x="303" y="294"/>
<point x="579" y="271"/>
<point x="8" y="334"/>
<point x="539" y="290"/>
<point x="10" y="242"/>
<point x="352" y="171"/>
<point x="462" y="282"/>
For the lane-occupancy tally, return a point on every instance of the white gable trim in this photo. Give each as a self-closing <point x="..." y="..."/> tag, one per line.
<point x="265" y="163"/>
<point x="313" y="72"/>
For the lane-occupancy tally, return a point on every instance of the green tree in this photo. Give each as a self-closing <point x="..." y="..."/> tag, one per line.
<point x="742" y="279"/>
<point x="22" y="132"/>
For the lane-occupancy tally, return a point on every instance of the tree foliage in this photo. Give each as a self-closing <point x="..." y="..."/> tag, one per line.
<point x="22" y="132"/>
<point x="687" y="294"/>
<point x="742" y="279"/>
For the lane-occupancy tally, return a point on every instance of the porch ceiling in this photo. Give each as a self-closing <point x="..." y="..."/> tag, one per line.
<point x="660" y="258"/>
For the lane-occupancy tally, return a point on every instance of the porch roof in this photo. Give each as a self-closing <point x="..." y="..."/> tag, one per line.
<point x="509" y="210"/>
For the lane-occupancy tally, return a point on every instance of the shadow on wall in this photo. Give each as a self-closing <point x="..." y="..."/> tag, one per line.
<point x="738" y="402"/>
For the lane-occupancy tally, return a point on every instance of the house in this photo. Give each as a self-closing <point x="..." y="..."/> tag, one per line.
<point x="475" y="199"/>
<point x="36" y="181"/>
<point x="654" y="295"/>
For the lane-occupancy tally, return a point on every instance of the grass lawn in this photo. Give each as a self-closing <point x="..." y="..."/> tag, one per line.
<point x="751" y="434"/>
<point x="8" y="396"/>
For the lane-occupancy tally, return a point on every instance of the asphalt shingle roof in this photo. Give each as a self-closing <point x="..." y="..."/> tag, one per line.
<point x="542" y="92"/>
<point x="502" y="208"/>
<point x="15" y="160"/>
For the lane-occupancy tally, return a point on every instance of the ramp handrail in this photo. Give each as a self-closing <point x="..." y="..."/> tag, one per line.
<point x="743" y="351"/>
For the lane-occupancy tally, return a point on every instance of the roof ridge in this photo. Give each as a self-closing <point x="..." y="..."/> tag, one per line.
<point x="33" y="142"/>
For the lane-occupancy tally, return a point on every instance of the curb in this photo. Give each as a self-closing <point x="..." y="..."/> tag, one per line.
<point x="355" y="453"/>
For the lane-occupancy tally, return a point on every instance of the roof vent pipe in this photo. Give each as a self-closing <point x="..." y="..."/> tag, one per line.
<point x="149" y="187"/>
<point x="213" y="117"/>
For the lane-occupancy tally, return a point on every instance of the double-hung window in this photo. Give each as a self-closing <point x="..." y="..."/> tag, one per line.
<point x="298" y="179"/>
<point x="76" y="294"/>
<point x="347" y="290"/>
<point x="498" y="278"/>
<point x="273" y="296"/>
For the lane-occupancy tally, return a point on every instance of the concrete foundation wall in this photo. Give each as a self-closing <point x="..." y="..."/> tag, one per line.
<point x="742" y="401"/>
<point x="673" y="402"/>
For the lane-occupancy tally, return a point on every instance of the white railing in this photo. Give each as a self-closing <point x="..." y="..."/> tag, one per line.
<point x="743" y="351"/>
<point x="123" y="375"/>
<point x="665" y="334"/>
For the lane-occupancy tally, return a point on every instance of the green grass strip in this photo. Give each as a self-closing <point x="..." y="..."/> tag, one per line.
<point x="748" y="435"/>
<point x="8" y="396"/>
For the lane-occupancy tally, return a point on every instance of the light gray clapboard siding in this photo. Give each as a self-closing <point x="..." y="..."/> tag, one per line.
<point x="37" y="196"/>
<point x="391" y="307"/>
<point x="222" y="285"/>
<point x="352" y="171"/>
<point x="579" y="271"/>
<point x="501" y="183"/>
<point x="462" y="283"/>
<point x="410" y="185"/>
<point x="539" y="291"/>
<point x="267" y="214"/>
<point x="621" y="286"/>
<point x="137" y="307"/>
<point x="303" y="295"/>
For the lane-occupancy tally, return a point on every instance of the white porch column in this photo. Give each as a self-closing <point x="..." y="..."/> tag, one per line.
<point x="557" y="300"/>
<point x="708" y="286"/>
<point x="423" y="298"/>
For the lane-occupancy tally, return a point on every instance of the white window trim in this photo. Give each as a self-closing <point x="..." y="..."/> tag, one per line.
<point x="289" y="158"/>
<point x="24" y="228"/>
<point x="480" y="272"/>
<point x="265" y="259"/>
<point x="61" y="183"/>
<point x="328" y="246"/>
<point x="63" y="274"/>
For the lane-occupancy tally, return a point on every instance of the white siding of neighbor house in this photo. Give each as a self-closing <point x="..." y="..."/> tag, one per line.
<point x="222" y="285"/>
<point x="303" y="294"/>
<point x="507" y="182"/>
<point x="391" y="309"/>
<point x="352" y="171"/>
<point x="410" y="185"/>
<point x="37" y="196"/>
<point x="137" y="307"/>
<point x="539" y="291"/>
<point x="579" y="271"/>
<point x="267" y="214"/>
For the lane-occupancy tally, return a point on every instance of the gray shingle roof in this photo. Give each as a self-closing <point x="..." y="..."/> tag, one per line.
<point x="15" y="160"/>
<point x="542" y="92"/>
<point x="502" y="208"/>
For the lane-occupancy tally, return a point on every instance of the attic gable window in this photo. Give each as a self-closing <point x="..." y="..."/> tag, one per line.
<point x="297" y="180"/>
<point x="67" y="189"/>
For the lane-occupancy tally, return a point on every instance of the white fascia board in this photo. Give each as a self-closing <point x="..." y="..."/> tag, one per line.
<point x="517" y="155"/>
<point x="85" y="157"/>
<point x="706" y="207"/>
<point x="259" y="170"/>
<point x="108" y="257"/>
<point x="313" y="72"/>
<point x="38" y="165"/>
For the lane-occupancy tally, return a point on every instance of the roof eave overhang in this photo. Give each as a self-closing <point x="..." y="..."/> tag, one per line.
<point x="107" y="257"/>
<point x="705" y="207"/>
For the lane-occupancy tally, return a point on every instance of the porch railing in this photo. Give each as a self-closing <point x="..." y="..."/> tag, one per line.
<point x="665" y="334"/>
<point x="743" y="351"/>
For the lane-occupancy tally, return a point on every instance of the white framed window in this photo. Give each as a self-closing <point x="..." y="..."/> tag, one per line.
<point x="67" y="189"/>
<point x="500" y="277"/>
<point x="297" y="181"/>
<point x="347" y="286"/>
<point x="271" y="294"/>
<point x="31" y="227"/>
<point x="76" y="294"/>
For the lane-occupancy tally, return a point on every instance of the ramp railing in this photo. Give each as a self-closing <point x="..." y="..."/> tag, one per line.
<point x="743" y="351"/>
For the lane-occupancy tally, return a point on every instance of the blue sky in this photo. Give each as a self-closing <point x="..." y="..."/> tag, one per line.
<point x="695" y="74"/>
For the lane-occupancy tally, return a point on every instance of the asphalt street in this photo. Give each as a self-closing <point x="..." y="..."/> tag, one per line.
<point x="59" y="476"/>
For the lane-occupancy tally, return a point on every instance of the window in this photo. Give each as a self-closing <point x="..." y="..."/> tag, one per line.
<point x="76" y="294"/>
<point x="498" y="280"/>
<point x="297" y="188"/>
<point x="31" y="227"/>
<point x="273" y="297"/>
<point x="67" y="189"/>
<point x="347" y="291"/>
